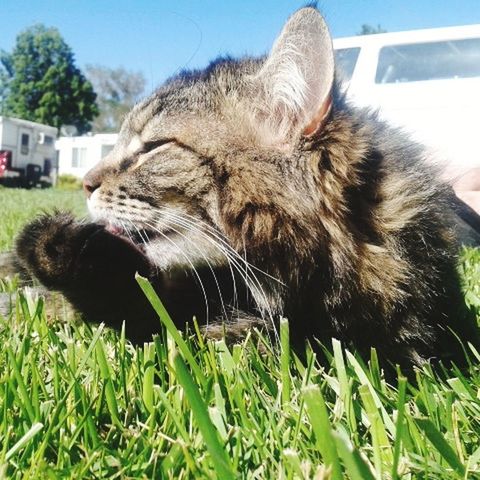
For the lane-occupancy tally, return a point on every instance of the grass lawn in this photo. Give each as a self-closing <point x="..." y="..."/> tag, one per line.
<point x="18" y="206"/>
<point x="78" y="401"/>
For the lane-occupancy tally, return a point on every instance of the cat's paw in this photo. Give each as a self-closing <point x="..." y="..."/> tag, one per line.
<point x="65" y="254"/>
<point x="48" y="246"/>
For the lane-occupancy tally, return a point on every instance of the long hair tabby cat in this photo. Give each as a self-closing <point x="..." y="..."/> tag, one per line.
<point x="252" y="190"/>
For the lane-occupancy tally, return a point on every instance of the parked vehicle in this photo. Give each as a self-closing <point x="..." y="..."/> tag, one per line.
<point x="427" y="81"/>
<point x="27" y="153"/>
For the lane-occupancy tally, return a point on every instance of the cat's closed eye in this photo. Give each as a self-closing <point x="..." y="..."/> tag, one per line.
<point x="146" y="148"/>
<point x="154" y="144"/>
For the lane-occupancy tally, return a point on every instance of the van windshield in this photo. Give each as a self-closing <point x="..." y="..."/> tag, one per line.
<point x="429" y="61"/>
<point x="345" y="59"/>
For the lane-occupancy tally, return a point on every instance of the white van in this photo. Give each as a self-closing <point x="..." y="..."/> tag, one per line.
<point x="427" y="81"/>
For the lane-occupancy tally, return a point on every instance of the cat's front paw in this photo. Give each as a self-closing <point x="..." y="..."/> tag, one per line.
<point x="48" y="246"/>
<point x="71" y="256"/>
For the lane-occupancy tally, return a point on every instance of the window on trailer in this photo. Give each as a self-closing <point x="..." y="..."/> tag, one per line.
<point x="79" y="157"/>
<point x="24" y="147"/>
<point x="48" y="140"/>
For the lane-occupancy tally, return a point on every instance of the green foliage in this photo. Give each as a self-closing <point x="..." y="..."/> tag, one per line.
<point x="118" y="90"/>
<point x="82" y="402"/>
<point x="67" y="181"/>
<point x="39" y="81"/>
<point x="371" y="30"/>
<point x="470" y="273"/>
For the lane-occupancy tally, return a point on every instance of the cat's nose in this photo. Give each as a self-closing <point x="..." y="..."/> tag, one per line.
<point x="91" y="182"/>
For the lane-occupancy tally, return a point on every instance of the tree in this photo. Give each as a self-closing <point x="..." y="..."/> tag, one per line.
<point x="370" y="30"/>
<point x="118" y="90"/>
<point x="5" y="74"/>
<point x="39" y="81"/>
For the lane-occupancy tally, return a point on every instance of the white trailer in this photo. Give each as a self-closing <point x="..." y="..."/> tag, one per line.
<point x="27" y="153"/>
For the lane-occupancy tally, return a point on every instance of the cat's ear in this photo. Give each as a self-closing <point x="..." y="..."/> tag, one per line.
<point x="297" y="77"/>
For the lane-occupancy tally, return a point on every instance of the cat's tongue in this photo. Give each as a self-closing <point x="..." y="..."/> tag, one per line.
<point x="137" y="238"/>
<point x="133" y="239"/>
<point x="114" y="229"/>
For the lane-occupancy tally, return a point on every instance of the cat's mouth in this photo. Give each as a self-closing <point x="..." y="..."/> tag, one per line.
<point x="168" y="248"/>
<point x="140" y="237"/>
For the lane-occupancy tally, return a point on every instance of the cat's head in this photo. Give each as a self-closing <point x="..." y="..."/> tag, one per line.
<point x="217" y="158"/>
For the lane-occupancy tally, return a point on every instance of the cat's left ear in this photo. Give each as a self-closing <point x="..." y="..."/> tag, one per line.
<point x="297" y="77"/>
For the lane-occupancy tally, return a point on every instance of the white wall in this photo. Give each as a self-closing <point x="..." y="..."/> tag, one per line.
<point x="77" y="155"/>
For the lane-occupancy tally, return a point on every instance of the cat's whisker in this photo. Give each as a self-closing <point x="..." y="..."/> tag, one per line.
<point x="140" y="234"/>
<point x="126" y="230"/>
<point x="190" y="226"/>
<point x="256" y="288"/>
<point x="220" y="237"/>
<point x="225" y="248"/>
<point x="187" y="258"/>
<point x="203" y="256"/>
<point x="212" y="232"/>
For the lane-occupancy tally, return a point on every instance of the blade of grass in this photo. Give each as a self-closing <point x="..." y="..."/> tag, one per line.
<point x="107" y="378"/>
<point x="318" y="414"/>
<point x="148" y="375"/>
<point x="355" y="465"/>
<point x="439" y="442"/>
<point x="382" y="452"/>
<point x="220" y="459"/>
<point x="364" y="380"/>
<point x="32" y="431"/>
<point x="399" y="426"/>
<point x="23" y="393"/>
<point x="168" y="322"/>
<point x="345" y="387"/>
<point x="285" y="359"/>
<point x="293" y="461"/>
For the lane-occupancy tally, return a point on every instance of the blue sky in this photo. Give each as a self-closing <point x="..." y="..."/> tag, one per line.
<point x="160" y="37"/>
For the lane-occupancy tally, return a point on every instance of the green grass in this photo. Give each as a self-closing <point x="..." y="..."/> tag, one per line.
<point x="81" y="402"/>
<point x="18" y="206"/>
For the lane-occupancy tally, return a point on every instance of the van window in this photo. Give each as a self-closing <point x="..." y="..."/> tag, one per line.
<point x="429" y="61"/>
<point x="346" y="59"/>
